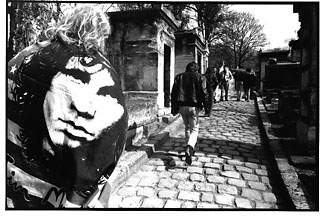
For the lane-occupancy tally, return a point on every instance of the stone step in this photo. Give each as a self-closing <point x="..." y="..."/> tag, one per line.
<point x="129" y="163"/>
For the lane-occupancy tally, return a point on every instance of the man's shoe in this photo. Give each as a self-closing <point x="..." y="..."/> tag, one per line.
<point x="188" y="154"/>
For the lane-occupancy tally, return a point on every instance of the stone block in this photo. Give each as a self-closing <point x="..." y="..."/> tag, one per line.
<point x="243" y="169"/>
<point x="196" y="164"/>
<point x="269" y="197"/>
<point x="218" y="160"/>
<point x="264" y="205"/>
<point x="207" y="197"/>
<point x="243" y="203"/>
<point x="204" y="159"/>
<point x="180" y="176"/>
<point x="228" y="167"/>
<point x="165" y="174"/>
<point x="251" y="194"/>
<point x="173" y="204"/>
<point x="153" y="203"/>
<point x="207" y="205"/>
<point x="210" y="171"/>
<point x="167" y="183"/>
<point x="205" y="187"/>
<point x="146" y="191"/>
<point x="231" y="174"/>
<point x="212" y="165"/>
<point x="188" y="204"/>
<point x="192" y="169"/>
<point x="237" y="182"/>
<point x="197" y="177"/>
<point x="265" y="180"/>
<point x="185" y="185"/>
<point x="167" y="193"/>
<point x="127" y="191"/>
<point x="227" y="189"/>
<point x="189" y="196"/>
<point x="224" y="199"/>
<point x="250" y="177"/>
<point x="235" y="162"/>
<point x="216" y="179"/>
<point x="257" y="185"/>
<point x="251" y="165"/>
<point x="131" y="202"/>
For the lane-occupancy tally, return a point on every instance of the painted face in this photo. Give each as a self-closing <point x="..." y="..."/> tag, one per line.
<point x="81" y="103"/>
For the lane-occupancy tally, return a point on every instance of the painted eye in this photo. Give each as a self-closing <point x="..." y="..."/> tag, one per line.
<point x="87" y="60"/>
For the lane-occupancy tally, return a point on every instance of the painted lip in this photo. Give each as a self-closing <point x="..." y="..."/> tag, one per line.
<point x="73" y="127"/>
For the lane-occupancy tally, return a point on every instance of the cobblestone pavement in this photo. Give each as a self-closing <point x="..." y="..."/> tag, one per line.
<point x="229" y="169"/>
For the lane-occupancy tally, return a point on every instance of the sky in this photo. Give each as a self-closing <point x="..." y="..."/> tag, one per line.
<point x="280" y="23"/>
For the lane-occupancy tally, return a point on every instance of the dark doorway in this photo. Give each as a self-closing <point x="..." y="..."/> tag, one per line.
<point x="200" y="62"/>
<point x="167" y="76"/>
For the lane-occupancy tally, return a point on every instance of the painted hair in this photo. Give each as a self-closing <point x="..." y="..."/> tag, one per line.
<point x="84" y="25"/>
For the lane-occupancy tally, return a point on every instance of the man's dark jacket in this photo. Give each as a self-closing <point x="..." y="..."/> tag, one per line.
<point x="189" y="89"/>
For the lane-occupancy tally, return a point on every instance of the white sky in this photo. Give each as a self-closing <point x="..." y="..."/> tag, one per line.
<point x="280" y="23"/>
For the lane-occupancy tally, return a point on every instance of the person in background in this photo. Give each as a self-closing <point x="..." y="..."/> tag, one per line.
<point x="190" y="95"/>
<point x="225" y="78"/>
<point x="212" y="83"/>
<point x="249" y="83"/>
<point x="238" y="82"/>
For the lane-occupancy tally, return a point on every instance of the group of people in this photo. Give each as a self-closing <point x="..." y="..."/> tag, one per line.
<point x="193" y="92"/>
<point x="244" y="79"/>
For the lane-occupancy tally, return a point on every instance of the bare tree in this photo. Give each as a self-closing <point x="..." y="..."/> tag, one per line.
<point x="208" y="16"/>
<point x="240" y="35"/>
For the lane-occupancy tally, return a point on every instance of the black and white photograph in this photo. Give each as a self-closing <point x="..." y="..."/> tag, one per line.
<point x="162" y="105"/>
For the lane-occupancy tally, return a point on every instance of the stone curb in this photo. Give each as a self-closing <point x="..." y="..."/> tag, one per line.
<point x="288" y="175"/>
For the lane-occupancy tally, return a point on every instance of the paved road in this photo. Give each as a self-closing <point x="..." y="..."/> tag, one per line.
<point x="229" y="169"/>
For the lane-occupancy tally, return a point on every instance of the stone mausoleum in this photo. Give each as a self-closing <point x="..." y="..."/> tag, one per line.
<point x="190" y="47"/>
<point x="142" y="50"/>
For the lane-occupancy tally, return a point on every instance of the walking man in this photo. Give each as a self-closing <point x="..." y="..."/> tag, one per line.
<point x="189" y="96"/>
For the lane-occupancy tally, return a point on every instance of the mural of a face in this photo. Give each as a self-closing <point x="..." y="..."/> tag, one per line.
<point x="79" y="105"/>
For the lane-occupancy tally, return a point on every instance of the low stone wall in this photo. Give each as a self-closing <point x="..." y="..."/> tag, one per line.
<point x="286" y="172"/>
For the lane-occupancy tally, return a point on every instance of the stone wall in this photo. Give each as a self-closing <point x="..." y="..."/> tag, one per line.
<point x="189" y="48"/>
<point x="142" y="50"/>
<point x="308" y="44"/>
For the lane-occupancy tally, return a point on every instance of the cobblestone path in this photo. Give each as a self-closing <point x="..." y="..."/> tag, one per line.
<point x="229" y="169"/>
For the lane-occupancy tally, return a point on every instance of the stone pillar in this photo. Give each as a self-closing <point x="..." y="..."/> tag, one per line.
<point x="160" y="70"/>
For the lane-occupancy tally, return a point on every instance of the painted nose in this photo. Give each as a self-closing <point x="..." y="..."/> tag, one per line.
<point x="83" y="105"/>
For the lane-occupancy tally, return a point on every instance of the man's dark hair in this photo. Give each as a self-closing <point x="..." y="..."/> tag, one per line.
<point x="192" y="67"/>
